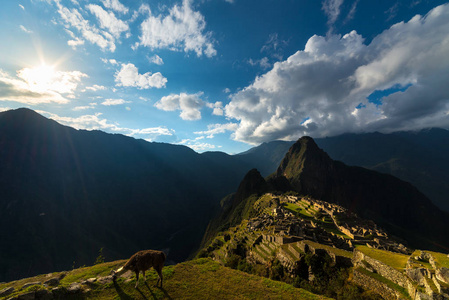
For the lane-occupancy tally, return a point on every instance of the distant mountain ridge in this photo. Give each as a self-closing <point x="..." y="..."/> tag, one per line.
<point x="418" y="157"/>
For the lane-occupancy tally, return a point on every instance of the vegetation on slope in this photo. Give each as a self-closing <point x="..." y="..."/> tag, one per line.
<point x="196" y="279"/>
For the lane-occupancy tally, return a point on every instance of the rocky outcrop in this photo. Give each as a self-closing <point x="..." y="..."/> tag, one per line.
<point x="46" y="292"/>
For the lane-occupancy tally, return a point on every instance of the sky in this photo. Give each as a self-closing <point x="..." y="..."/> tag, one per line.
<point x="227" y="75"/>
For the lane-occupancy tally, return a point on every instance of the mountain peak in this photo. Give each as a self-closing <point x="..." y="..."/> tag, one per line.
<point x="303" y="157"/>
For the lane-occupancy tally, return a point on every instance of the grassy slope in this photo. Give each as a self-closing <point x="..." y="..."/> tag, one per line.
<point x="392" y="259"/>
<point x="197" y="279"/>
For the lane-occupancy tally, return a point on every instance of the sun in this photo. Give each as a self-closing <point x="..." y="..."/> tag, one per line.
<point x="40" y="79"/>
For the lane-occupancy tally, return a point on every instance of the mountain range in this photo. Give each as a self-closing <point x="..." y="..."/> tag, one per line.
<point x="65" y="193"/>
<point x="418" y="157"/>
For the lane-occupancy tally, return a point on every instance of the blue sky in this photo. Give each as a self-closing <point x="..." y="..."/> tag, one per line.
<point x="225" y="75"/>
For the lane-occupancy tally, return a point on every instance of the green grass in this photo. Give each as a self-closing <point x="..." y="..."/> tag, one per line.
<point x="296" y="248"/>
<point x="441" y="259"/>
<point x="389" y="283"/>
<point x="336" y="251"/>
<point x="99" y="270"/>
<point x="288" y="252"/>
<point x="395" y="260"/>
<point x="197" y="279"/>
<point x="297" y="209"/>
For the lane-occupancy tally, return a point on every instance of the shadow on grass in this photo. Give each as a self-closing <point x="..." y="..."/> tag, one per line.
<point x="166" y="295"/>
<point x="121" y="293"/>
<point x="124" y="296"/>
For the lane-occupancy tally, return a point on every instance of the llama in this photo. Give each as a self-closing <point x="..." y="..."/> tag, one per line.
<point x="141" y="262"/>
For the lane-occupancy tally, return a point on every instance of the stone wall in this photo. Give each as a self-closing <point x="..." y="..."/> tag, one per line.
<point x="381" y="268"/>
<point x="374" y="285"/>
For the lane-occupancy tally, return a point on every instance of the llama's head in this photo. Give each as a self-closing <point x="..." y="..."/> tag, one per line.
<point x="115" y="273"/>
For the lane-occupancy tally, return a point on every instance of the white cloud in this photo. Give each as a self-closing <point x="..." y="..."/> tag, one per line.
<point x="88" y="122"/>
<point x="96" y="87"/>
<point x="156" y="59"/>
<point x="198" y="146"/>
<point x="108" y="20"/>
<point x="188" y="104"/>
<point x="21" y="6"/>
<point x="263" y="63"/>
<point x="182" y="29"/>
<point x="153" y="133"/>
<point x="332" y="10"/>
<point x="129" y="76"/>
<point x="72" y="17"/>
<point x="24" y="29"/>
<point x="323" y="89"/>
<point x="227" y="90"/>
<point x="90" y="106"/>
<point x="75" y="43"/>
<point x="39" y="85"/>
<point x="115" y="5"/>
<point x="109" y="61"/>
<point x="214" y="129"/>
<point x="111" y="102"/>
<point x="98" y="122"/>
<point x="217" y="108"/>
<point x="352" y="11"/>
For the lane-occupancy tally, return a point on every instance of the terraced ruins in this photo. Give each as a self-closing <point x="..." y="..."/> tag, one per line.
<point x="288" y="228"/>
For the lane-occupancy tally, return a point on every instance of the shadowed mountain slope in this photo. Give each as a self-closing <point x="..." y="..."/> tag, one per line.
<point x="66" y="193"/>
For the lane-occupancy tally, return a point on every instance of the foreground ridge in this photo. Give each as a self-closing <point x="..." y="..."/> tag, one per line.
<point x="196" y="279"/>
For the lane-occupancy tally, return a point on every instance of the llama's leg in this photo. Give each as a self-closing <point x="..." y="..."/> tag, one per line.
<point x="144" y="276"/>
<point x="159" y="272"/>
<point x="137" y="279"/>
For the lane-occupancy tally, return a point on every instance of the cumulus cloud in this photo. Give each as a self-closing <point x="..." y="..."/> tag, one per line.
<point x="129" y="76"/>
<point x="217" y="108"/>
<point x="108" y="20"/>
<point x="112" y="102"/>
<point x="188" y="104"/>
<point x="75" y="43"/>
<point x="323" y="89"/>
<point x="115" y="5"/>
<point x="39" y="85"/>
<point x="181" y="30"/>
<point x="156" y="59"/>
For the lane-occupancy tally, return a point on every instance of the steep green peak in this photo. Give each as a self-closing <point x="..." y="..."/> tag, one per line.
<point x="302" y="155"/>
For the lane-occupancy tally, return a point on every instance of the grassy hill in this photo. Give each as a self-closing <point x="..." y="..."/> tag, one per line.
<point x="197" y="279"/>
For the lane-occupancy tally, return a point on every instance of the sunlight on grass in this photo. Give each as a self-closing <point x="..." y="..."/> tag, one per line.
<point x="395" y="260"/>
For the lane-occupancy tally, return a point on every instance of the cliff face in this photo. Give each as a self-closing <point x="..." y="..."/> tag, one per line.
<point x="392" y="203"/>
